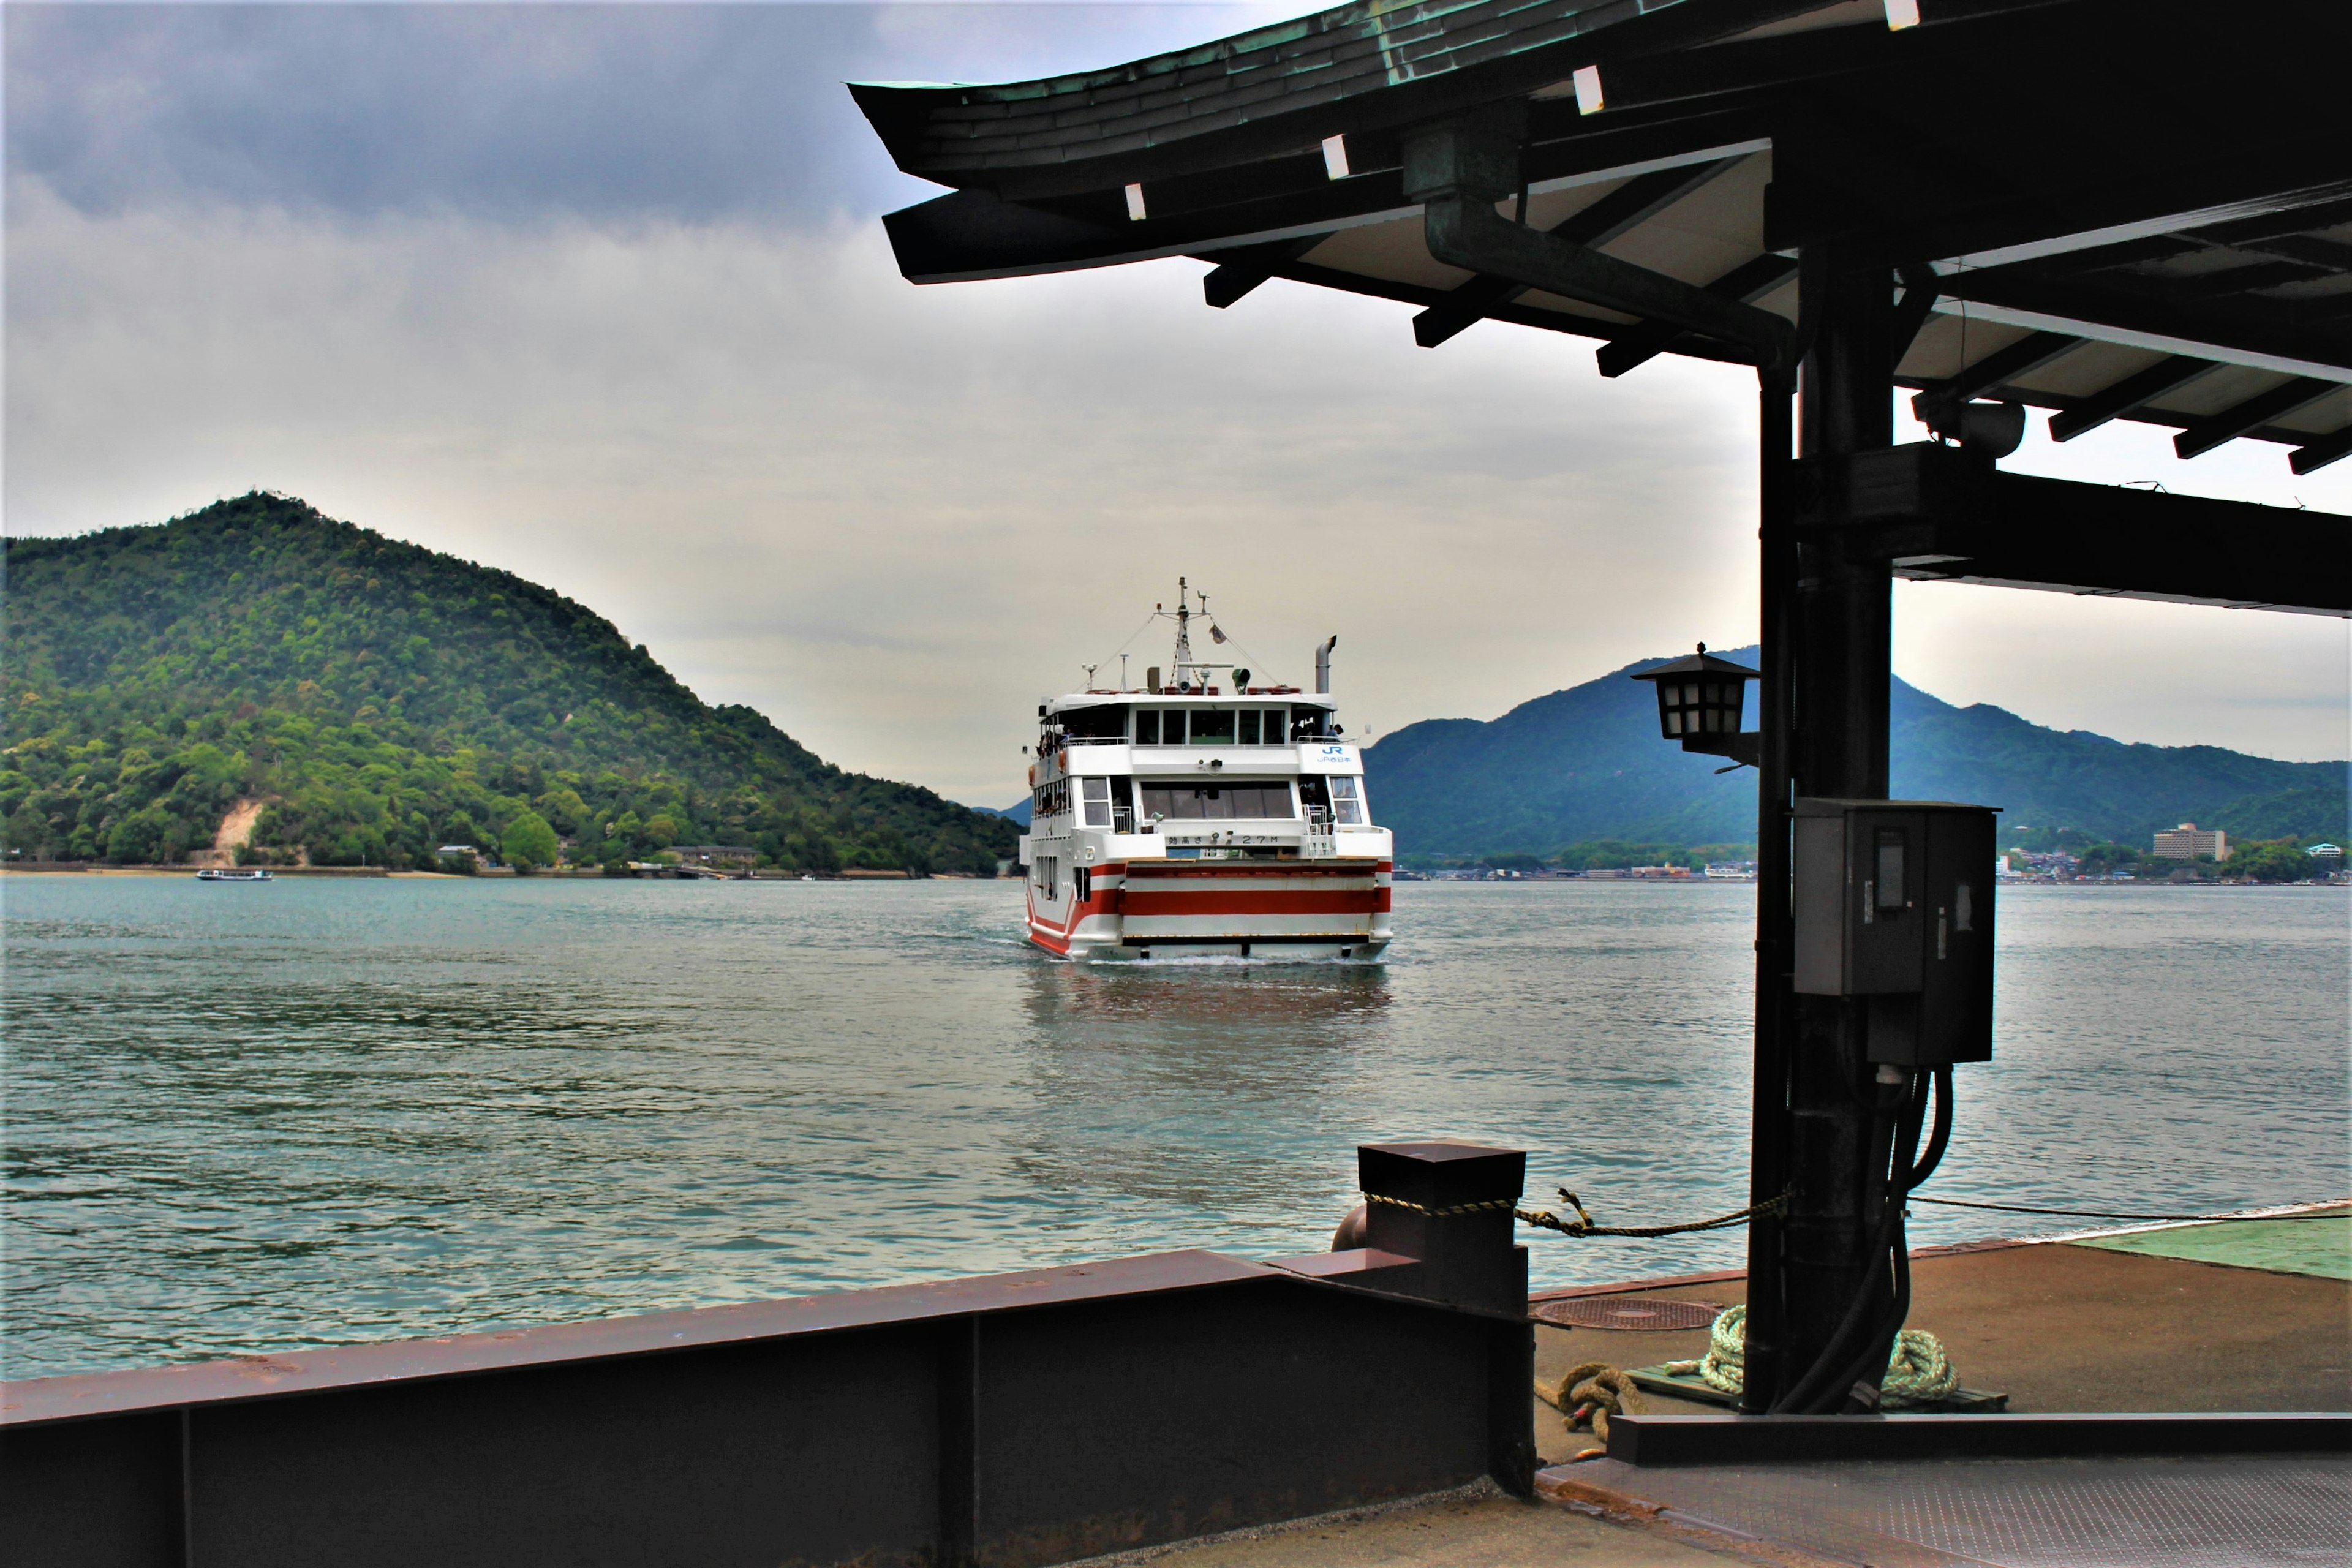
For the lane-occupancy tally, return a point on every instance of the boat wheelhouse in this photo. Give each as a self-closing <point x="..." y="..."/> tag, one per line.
<point x="1203" y="815"/>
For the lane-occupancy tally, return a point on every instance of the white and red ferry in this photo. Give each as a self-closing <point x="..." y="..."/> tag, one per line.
<point x="1203" y="815"/>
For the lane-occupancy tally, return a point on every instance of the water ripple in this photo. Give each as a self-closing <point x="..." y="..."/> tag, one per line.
<point x="243" y="1119"/>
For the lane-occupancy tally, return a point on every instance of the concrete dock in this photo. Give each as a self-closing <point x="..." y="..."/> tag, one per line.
<point x="2246" y="1317"/>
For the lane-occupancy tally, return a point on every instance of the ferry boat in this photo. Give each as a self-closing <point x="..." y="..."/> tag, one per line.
<point x="233" y="874"/>
<point x="1202" y="816"/>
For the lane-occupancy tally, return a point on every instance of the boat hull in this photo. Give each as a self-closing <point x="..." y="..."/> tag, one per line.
<point x="1267" y="910"/>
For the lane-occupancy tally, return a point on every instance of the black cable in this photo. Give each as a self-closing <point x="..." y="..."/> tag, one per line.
<point x="1938" y="1139"/>
<point x="1869" y="1369"/>
<point x="1834" y="1369"/>
<point x="1795" y="1399"/>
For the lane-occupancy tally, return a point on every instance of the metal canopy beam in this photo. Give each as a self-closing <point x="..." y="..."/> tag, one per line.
<point x="2127" y="395"/>
<point x="1460" y="169"/>
<point x="2251" y="414"/>
<point x="1638" y="199"/>
<point x="1938" y="512"/>
<point x="1231" y="279"/>
<point x="1748" y="283"/>
<point x="2313" y="456"/>
<point x="2022" y="357"/>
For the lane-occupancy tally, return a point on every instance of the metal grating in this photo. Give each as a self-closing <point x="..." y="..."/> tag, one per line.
<point x="1626" y="1312"/>
<point x="2288" y="1511"/>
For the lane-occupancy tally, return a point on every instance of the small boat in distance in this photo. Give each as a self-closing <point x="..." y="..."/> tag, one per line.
<point x="1202" y="816"/>
<point x="233" y="874"/>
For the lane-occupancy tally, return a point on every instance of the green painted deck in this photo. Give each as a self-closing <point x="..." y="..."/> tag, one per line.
<point x="2320" y="1248"/>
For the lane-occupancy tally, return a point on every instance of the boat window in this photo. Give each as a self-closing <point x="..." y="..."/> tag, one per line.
<point x="1105" y="723"/>
<point x="1218" y="803"/>
<point x="1249" y="727"/>
<point x="1213" y="726"/>
<point x="1147" y="726"/>
<point x="1096" y="793"/>
<point x="1277" y="726"/>
<point x="1347" y="798"/>
<point x="1309" y="723"/>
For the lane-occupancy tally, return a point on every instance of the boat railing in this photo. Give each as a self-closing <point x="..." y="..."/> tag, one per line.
<point x="1319" y="843"/>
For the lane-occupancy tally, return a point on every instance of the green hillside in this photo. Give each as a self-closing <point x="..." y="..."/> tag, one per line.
<point x="1586" y="764"/>
<point x="374" y="701"/>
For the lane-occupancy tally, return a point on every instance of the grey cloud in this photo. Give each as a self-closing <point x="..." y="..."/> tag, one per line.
<point x="508" y="112"/>
<point x="413" y="265"/>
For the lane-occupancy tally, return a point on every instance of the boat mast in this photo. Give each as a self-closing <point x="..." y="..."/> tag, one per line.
<point x="1183" y="632"/>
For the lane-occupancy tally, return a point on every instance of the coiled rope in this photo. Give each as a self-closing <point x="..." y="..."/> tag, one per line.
<point x="1588" y="1395"/>
<point x="1918" y="1372"/>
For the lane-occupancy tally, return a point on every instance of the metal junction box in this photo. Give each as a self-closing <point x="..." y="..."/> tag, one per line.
<point x="1894" y="903"/>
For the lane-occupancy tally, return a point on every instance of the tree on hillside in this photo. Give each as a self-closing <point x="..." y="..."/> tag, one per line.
<point x="2278" y="860"/>
<point x="529" y="842"/>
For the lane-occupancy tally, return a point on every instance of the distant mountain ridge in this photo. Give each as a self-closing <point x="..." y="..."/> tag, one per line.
<point x="1587" y="763"/>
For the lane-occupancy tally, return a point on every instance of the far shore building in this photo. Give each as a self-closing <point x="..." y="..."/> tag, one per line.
<point x="2189" y="841"/>
<point x="706" y="854"/>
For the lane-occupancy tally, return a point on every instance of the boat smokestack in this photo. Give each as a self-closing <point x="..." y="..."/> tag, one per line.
<point x="1323" y="664"/>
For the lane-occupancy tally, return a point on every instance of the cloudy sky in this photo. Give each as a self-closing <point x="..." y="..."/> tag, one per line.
<point x="599" y="295"/>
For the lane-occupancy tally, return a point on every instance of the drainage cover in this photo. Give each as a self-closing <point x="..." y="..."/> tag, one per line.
<point x="1627" y="1312"/>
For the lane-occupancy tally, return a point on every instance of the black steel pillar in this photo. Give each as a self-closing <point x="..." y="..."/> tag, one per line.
<point x="1767" y="1167"/>
<point x="1826" y="666"/>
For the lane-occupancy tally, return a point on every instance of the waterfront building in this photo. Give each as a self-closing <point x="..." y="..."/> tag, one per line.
<point x="704" y="854"/>
<point x="2189" y="841"/>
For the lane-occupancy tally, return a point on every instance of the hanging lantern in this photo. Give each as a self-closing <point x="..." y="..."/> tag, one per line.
<point x="1700" y="699"/>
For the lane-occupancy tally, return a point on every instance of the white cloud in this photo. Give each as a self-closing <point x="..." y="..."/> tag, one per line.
<point x="892" y="517"/>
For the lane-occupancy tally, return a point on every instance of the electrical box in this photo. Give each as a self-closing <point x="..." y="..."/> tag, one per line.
<point x="1894" y="903"/>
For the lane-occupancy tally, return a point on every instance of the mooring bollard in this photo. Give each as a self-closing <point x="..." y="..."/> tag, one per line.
<point x="1450" y="1207"/>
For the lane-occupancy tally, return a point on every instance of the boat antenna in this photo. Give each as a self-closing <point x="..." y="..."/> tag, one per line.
<point x="1122" y="672"/>
<point x="1183" y="631"/>
<point x="1090" y="675"/>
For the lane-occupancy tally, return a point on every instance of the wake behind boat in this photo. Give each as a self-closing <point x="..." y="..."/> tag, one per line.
<point x="1203" y="815"/>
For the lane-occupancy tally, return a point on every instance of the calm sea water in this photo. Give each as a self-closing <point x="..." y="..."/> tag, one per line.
<point x="240" y="1119"/>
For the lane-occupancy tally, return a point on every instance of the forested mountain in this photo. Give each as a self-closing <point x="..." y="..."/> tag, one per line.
<point x="1587" y="765"/>
<point x="372" y="699"/>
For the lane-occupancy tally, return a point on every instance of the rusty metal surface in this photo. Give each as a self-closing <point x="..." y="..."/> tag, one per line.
<point x="2284" y="1510"/>
<point x="1652" y="1314"/>
<point x="80" y="1395"/>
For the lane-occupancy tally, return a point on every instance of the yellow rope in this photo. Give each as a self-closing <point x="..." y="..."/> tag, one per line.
<point x="1918" y="1372"/>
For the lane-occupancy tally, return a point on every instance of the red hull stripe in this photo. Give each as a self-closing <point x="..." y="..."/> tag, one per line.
<point x="1367" y="902"/>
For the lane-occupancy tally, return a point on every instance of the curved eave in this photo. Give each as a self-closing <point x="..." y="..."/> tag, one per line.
<point x="2100" y="246"/>
<point x="1358" y="69"/>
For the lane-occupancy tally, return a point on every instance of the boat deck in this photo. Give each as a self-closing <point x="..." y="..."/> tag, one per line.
<point x="2252" y="1317"/>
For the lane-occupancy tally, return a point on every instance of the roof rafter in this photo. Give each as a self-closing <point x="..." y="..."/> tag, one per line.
<point x="2239" y="418"/>
<point x="1748" y="283"/>
<point x="2127" y="395"/>
<point x="2313" y="456"/>
<point x="1638" y="199"/>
